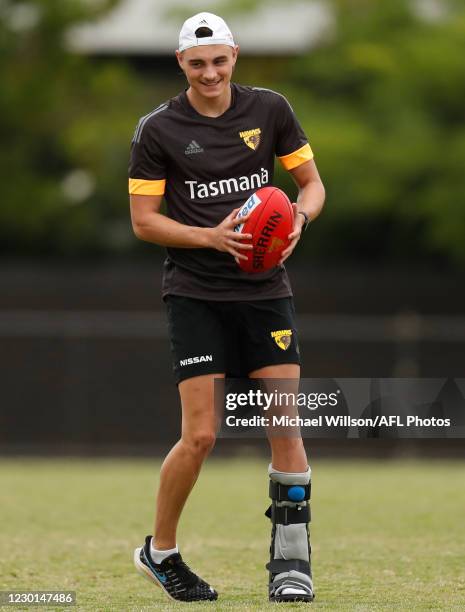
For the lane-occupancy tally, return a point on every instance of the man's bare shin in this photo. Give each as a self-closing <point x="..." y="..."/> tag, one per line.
<point x="182" y="465"/>
<point x="177" y="478"/>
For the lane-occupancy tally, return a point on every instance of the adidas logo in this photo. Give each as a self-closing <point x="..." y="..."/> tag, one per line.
<point x="192" y="148"/>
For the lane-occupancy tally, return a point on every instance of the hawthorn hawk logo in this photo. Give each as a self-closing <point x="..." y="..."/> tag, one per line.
<point x="251" y="138"/>
<point x="282" y="338"/>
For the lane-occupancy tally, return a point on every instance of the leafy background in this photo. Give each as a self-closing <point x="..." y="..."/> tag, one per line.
<point x="381" y="99"/>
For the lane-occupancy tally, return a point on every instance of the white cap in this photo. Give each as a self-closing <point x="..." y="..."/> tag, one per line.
<point x="221" y="34"/>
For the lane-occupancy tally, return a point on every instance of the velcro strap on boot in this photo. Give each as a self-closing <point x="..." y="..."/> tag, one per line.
<point x="278" y="566"/>
<point x="280" y="492"/>
<point x="286" y="515"/>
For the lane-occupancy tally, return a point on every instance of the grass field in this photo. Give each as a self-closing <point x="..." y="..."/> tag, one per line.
<point x="386" y="535"/>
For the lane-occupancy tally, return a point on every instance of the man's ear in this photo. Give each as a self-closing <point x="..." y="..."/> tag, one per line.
<point x="179" y="57"/>
<point x="235" y="53"/>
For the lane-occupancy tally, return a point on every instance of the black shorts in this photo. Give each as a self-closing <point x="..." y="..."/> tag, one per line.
<point x="232" y="338"/>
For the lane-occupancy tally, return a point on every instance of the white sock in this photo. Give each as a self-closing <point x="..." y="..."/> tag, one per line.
<point x="159" y="555"/>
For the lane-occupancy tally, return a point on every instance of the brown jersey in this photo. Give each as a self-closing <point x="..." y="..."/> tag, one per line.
<point x="207" y="166"/>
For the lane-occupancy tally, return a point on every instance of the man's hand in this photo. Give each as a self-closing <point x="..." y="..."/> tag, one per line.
<point x="294" y="236"/>
<point x="224" y="238"/>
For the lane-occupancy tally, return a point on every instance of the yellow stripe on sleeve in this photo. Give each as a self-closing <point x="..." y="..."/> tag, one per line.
<point x="143" y="187"/>
<point x="297" y="158"/>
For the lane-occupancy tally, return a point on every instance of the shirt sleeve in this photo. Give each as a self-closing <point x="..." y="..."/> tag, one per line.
<point x="292" y="147"/>
<point x="147" y="163"/>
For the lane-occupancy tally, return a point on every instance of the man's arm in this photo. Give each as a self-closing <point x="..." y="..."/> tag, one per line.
<point x="311" y="191"/>
<point x="151" y="225"/>
<point x="309" y="201"/>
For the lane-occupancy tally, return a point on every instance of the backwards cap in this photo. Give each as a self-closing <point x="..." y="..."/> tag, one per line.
<point x="204" y="29"/>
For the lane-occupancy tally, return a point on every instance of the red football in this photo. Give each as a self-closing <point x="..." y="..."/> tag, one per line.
<point x="271" y="222"/>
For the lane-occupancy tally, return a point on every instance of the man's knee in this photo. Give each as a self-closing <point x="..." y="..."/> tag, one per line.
<point x="200" y="442"/>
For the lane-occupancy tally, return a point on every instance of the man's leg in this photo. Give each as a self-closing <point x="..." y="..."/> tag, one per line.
<point x="290" y="551"/>
<point x="182" y="465"/>
<point x="159" y="559"/>
<point x="287" y="452"/>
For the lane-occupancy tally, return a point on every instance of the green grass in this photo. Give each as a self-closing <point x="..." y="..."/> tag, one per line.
<point x="386" y="535"/>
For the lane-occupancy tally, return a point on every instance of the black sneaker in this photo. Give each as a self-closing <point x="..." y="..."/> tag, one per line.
<point x="173" y="576"/>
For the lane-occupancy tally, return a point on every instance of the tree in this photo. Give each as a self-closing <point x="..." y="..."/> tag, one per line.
<point x="382" y="101"/>
<point x="66" y="124"/>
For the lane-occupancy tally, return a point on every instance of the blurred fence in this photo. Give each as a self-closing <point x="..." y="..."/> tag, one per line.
<point x="98" y="379"/>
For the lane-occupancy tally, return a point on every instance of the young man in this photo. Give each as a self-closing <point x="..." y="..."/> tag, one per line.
<point x="206" y="151"/>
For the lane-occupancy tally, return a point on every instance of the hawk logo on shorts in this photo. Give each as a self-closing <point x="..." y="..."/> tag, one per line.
<point x="282" y="338"/>
<point x="251" y="138"/>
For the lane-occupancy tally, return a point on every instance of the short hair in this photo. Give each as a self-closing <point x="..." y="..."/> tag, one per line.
<point x="203" y="32"/>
